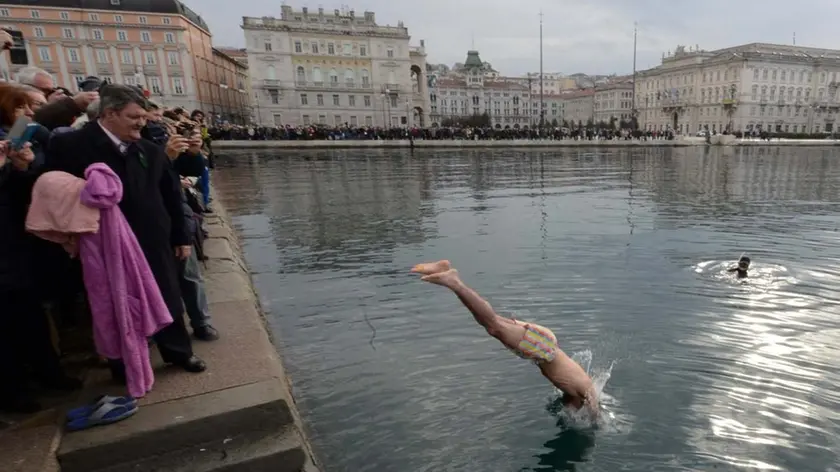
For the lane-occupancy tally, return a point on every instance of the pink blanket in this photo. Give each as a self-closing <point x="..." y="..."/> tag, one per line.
<point x="124" y="298"/>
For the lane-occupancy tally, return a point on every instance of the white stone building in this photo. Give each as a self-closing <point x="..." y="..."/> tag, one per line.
<point x="335" y="68"/>
<point x="580" y="106"/>
<point x="613" y="100"/>
<point x="756" y="86"/>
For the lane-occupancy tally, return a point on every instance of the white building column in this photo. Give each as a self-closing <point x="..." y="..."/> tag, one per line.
<point x="62" y="66"/>
<point x="164" y="72"/>
<point x="115" y="59"/>
<point x="87" y="54"/>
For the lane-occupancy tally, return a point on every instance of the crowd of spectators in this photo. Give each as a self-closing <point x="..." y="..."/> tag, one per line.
<point x="162" y="159"/>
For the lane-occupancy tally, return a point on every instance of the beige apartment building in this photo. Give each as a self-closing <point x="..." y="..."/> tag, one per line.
<point x="335" y="68"/>
<point x="161" y="45"/>
<point x="580" y="106"/>
<point x="752" y="87"/>
<point x="613" y="100"/>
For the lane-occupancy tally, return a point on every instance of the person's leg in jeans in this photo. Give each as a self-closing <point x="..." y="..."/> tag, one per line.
<point x="204" y="184"/>
<point x="195" y="299"/>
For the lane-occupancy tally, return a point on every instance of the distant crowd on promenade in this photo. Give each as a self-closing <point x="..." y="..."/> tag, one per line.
<point x="103" y="193"/>
<point x="337" y="133"/>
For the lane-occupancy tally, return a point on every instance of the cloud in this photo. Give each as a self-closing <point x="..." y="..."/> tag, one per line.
<point x="592" y="36"/>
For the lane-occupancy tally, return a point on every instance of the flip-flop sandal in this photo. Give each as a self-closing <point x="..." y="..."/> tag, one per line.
<point x="97" y="402"/>
<point x="108" y="413"/>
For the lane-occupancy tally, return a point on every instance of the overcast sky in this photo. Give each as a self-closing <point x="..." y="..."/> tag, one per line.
<point x="591" y="36"/>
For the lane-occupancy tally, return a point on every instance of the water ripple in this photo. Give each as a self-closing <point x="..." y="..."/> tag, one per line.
<point x="623" y="253"/>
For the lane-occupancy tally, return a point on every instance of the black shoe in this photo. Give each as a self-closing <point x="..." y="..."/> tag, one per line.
<point x="193" y="364"/>
<point x="206" y="333"/>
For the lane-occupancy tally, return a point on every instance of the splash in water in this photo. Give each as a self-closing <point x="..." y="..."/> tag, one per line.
<point x="762" y="276"/>
<point x="582" y="419"/>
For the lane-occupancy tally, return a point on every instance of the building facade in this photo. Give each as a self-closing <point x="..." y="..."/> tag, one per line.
<point x="335" y="68"/>
<point x="613" y="101"/>
<point x="159" y="44"/>
<point x="757" y="86"/>
<point x="231" y="102"/>
<point x="241" y="56"/>
<point x="580" y="107"/>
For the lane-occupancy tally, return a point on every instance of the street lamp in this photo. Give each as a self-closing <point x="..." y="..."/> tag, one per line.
<point x="407" y="113"/>
<point x="383" y="97"/>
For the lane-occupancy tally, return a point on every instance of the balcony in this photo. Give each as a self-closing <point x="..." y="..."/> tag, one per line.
<point x="391" y="88"/>
<point x="337" y="86"/>
<point x="271" y="83"/>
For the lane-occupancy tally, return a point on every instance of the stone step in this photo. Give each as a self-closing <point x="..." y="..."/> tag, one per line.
<point x="253" y="412"/>
<point x="281" y="452"/>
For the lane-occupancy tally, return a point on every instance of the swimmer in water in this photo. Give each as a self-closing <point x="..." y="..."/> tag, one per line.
<point x="529" y="341"/>
<point x="742" y="268"/>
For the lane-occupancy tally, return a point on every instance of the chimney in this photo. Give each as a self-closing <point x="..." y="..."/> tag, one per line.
<point x="337" y="13"/>
<point x="422" y="43"/>
<point x="352" y="14"/>
<point x="305" y="11"/>
<point x="320" y="11"/>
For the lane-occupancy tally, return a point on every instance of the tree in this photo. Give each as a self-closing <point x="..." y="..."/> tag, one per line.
<point x="554" y="123"/>
<point x="566" y="124"/>
<point x="590" y="123"/>
<point x="613" y="121"/>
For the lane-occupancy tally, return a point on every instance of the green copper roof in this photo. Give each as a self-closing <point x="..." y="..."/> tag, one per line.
<point x="472" y="60"/>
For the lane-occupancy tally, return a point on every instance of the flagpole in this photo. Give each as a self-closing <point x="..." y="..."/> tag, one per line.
<point x="542" y="112"/>
<point x="633" y="105"/>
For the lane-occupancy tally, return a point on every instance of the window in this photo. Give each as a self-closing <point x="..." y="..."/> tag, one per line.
<point x="98" y="35"/>
<point x="322" y="119"/>
<point x="38" y="31"/>
<point x="304" y="100"/>
<point x="353" y="121"/>
<point x="348" y="49"/>
<point x="330" y="48"/>
<point x="368" y="121"/>
<point x="34" y="13"/>
<point x="107" y="79"/>
<point x="166" y="20"/>
<point x="298" y="47"/>
<point x="118" y="19"/>
<point x="333" y="77"/>
<point x="306" y="120"/>
<point x="150" y="58"/>
<point x="169" y="38"/>
<point x="64" y="15"/>
<point x="367" y="101"/>
<point x="5" y="12"/>
<point x="154" y="84"/>
<point x="365" y="78"/>
<point x="129" y="80"/>
<point x="337" y="119"/>
<point x="73" y="55"/>
<point x="349" y="77"/>
<point x="316" y="76"/>
<point x="314" y="48"/>
<point x="67" y="33"/>
<point x="146" y="37"/>
<point x="755" y="74"/>
<point x="92" y="16"/>
<point x="178" y="85"/>
<point x="351" y="100"/>
<point x="394" y="101"/>
<point x="301" y="74"/>
<point x="268" y="46"/>
<point x="363" y="51"/>
<point x="275" y="97"/>
<point x="784" y="75"/>
<point x="143" y="20"/>
<point x="278" y="119"/>
<point x="173" y="58"/>
<point x="126" y="57"/>
<point x="336" y="100"/>
<point x="102" y="56"/>
<point x="320" y="100"/>
<point x="390" y="52"/>
<point x="122" y="36"/>
<point x="774" y="74"/>
<point x="44" y="53"/>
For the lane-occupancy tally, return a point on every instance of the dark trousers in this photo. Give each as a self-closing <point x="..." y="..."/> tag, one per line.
<point x="24" y="342"/>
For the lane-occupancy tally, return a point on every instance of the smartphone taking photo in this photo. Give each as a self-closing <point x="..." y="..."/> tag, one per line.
<point x="21" y="133"/>
<point x="17" y="52"/>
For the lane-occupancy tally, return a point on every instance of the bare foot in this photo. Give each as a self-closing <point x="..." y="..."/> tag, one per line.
<point x="448" y="279"/>
<point x="429" y="268"/>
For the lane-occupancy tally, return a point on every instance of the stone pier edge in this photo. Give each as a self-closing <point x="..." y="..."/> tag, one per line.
<point x="512" y="143"/>
<point x="220" y="227"/>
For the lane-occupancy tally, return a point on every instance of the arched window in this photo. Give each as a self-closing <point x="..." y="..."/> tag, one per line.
<point x="301" y="73"/>
<point x="270" y="73"/>
<point x="333" y="76"/>
<point x="763" y="91"/>
<point x="755" y="92"/>
<point x="790" y="93"/>
<point x="365" y="78"/>
<point x="703" y="96"/>
<point x="349" y="77"/>
<point x="317" y="77"/>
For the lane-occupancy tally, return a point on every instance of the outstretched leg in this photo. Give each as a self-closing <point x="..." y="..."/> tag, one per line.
<point x="510" y="334"/>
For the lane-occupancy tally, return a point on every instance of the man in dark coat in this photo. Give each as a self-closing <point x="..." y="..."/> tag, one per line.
<point x="151" y="199"/>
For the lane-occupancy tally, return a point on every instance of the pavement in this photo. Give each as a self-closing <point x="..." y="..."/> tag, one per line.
<point x="237" y="415"/>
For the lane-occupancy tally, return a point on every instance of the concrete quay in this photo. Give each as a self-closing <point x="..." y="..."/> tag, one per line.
<point x="238" y="416"/>
<point x="514" y="143"/>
